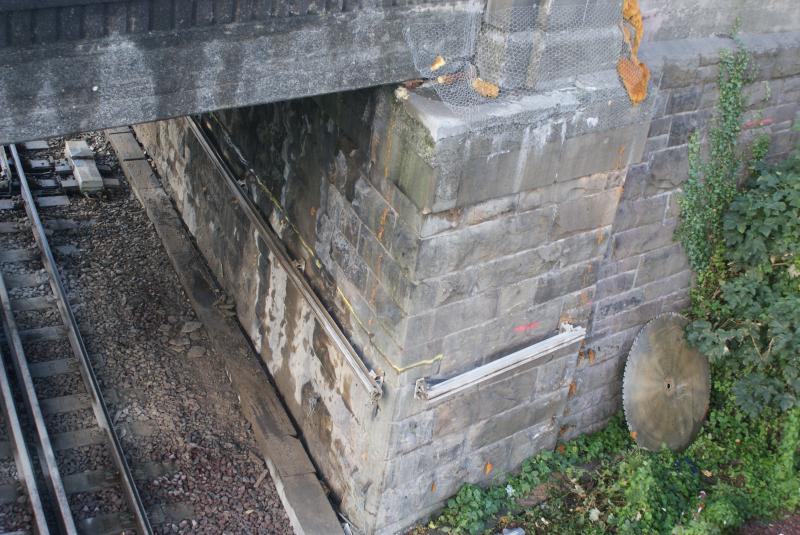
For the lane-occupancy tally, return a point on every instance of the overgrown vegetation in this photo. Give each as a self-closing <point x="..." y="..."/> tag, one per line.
<point x="741" y="231"/>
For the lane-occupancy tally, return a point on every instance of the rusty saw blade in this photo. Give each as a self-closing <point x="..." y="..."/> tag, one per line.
<point x="666" y="388"/>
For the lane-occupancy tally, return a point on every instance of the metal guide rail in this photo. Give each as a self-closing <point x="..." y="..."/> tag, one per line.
<point x="51" y="508"/>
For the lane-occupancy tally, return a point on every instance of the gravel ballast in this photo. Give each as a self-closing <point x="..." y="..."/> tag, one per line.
<point x="168" y="393"/>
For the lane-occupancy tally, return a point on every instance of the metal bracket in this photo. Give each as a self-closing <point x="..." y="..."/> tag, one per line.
<point x="568" y="335"/>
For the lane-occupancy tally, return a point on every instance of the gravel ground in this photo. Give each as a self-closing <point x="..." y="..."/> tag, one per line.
<point x="168" y="388"/>
<point x="788" y="526"/>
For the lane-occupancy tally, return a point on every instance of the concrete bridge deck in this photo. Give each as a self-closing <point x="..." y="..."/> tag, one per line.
<point x="74" y="65"/>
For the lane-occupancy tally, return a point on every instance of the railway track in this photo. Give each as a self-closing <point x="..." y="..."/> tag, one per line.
<point x="55" y="417"/>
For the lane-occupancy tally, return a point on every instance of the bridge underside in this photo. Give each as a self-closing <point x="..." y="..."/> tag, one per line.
<point x="110" y="63"/>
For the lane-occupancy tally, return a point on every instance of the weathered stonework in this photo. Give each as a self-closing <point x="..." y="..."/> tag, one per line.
<point x="439" y="248"/>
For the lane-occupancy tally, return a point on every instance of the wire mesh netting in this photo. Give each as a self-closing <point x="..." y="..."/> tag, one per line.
<point x="504" y="54"/>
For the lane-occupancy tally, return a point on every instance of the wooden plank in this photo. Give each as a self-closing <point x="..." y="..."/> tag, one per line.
<point x="7" y="204"/>
<point x="126" y="146"/>
<point x="8" y="227"/>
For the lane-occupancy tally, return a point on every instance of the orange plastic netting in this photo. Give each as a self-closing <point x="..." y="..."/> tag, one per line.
<point x="634" y="74"/>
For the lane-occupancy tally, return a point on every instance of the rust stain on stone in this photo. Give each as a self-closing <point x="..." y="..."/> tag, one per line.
<point x="382" y="224"/>
<point x="323" y="353"/>
<point x="573" y="387"/>
<point x="388" y="148"/>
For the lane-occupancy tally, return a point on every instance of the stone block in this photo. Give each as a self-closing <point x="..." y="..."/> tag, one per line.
<point x="455" y="415"/>
<point x="710" y="96"/>
<point x="566" y="281"/>
<point x="347" y="258"/>
<point x="601" y="151"/>
<point x="684" y="99"/>
<point x="637" y="181"/>
<point x="480" y="243"/>
<point x="585" y="213"/>
<point x="614" y="285"/>
<point x="620" y="303"/>
<point x="680" y="74"/>
<point x="589" y="398"/>
<point x="516" y="297"/>
<point x="463" y="314"/>
<point x="489" y="463"/>
<point x="579" y="247"/>
<point x="88" y="177"/>
<point x="373" y="210"/>
<point x="684" y="124"/>
<point x="541" y="160"/>
<point x="642" y="239"/>
<point x="491" y="167"/>
<point x="673" y="208"/>
<point x="385" y="307"/>
<point x="509" y="392"/>
<point x="637" y="213"/>
<point x="577" y="307"/>
<point x="81" y="158"/>
<point x="635" y="317"/>
<point x="412" y="174"/>
<point x="612" y="345"/>
<point x="655" y="144"/>
<point x="410" y="434"/>
<point x="499" y="337"/>
<point x="408" y="467"/>
<point x="553" y="375"/>
<point x="78" y="149"/>
<point x="661" y="263"/>
<point x="504" y="425"/>
<point x="668" y="285"/>
<point x="529" y="442"/>
<point x="484" y="211"/>
<point x="600" y="373"/>
<point x="678" y="302"/>
<point x="659" y="127"/>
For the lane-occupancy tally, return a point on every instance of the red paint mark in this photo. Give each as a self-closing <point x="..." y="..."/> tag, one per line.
<point x="526" y="327"/>
<point x="758" y="122"/>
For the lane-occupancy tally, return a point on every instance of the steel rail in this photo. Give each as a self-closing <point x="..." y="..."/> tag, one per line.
<point x="47" y="458"/>
<point x="21" y="456"/>
<point x="79" y="350"/>
<point x="366" y="377"/>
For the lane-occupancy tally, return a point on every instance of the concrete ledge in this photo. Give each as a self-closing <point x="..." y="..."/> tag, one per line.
<point x="301" y="492"/>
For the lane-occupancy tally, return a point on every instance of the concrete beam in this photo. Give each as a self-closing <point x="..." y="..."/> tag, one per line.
<point x="56" y="88"/>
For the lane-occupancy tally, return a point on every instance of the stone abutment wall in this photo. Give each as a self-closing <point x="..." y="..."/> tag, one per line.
<point x="439" y="248"/>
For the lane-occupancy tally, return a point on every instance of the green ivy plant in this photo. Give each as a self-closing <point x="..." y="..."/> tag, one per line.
<point x="713" y="180"/>
<point x="753" y="335"/>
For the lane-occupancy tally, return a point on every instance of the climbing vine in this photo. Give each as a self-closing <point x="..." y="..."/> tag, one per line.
<point x="713" y="180"/>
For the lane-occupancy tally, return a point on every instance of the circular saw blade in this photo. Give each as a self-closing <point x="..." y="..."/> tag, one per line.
<point x="666" y="387"/>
